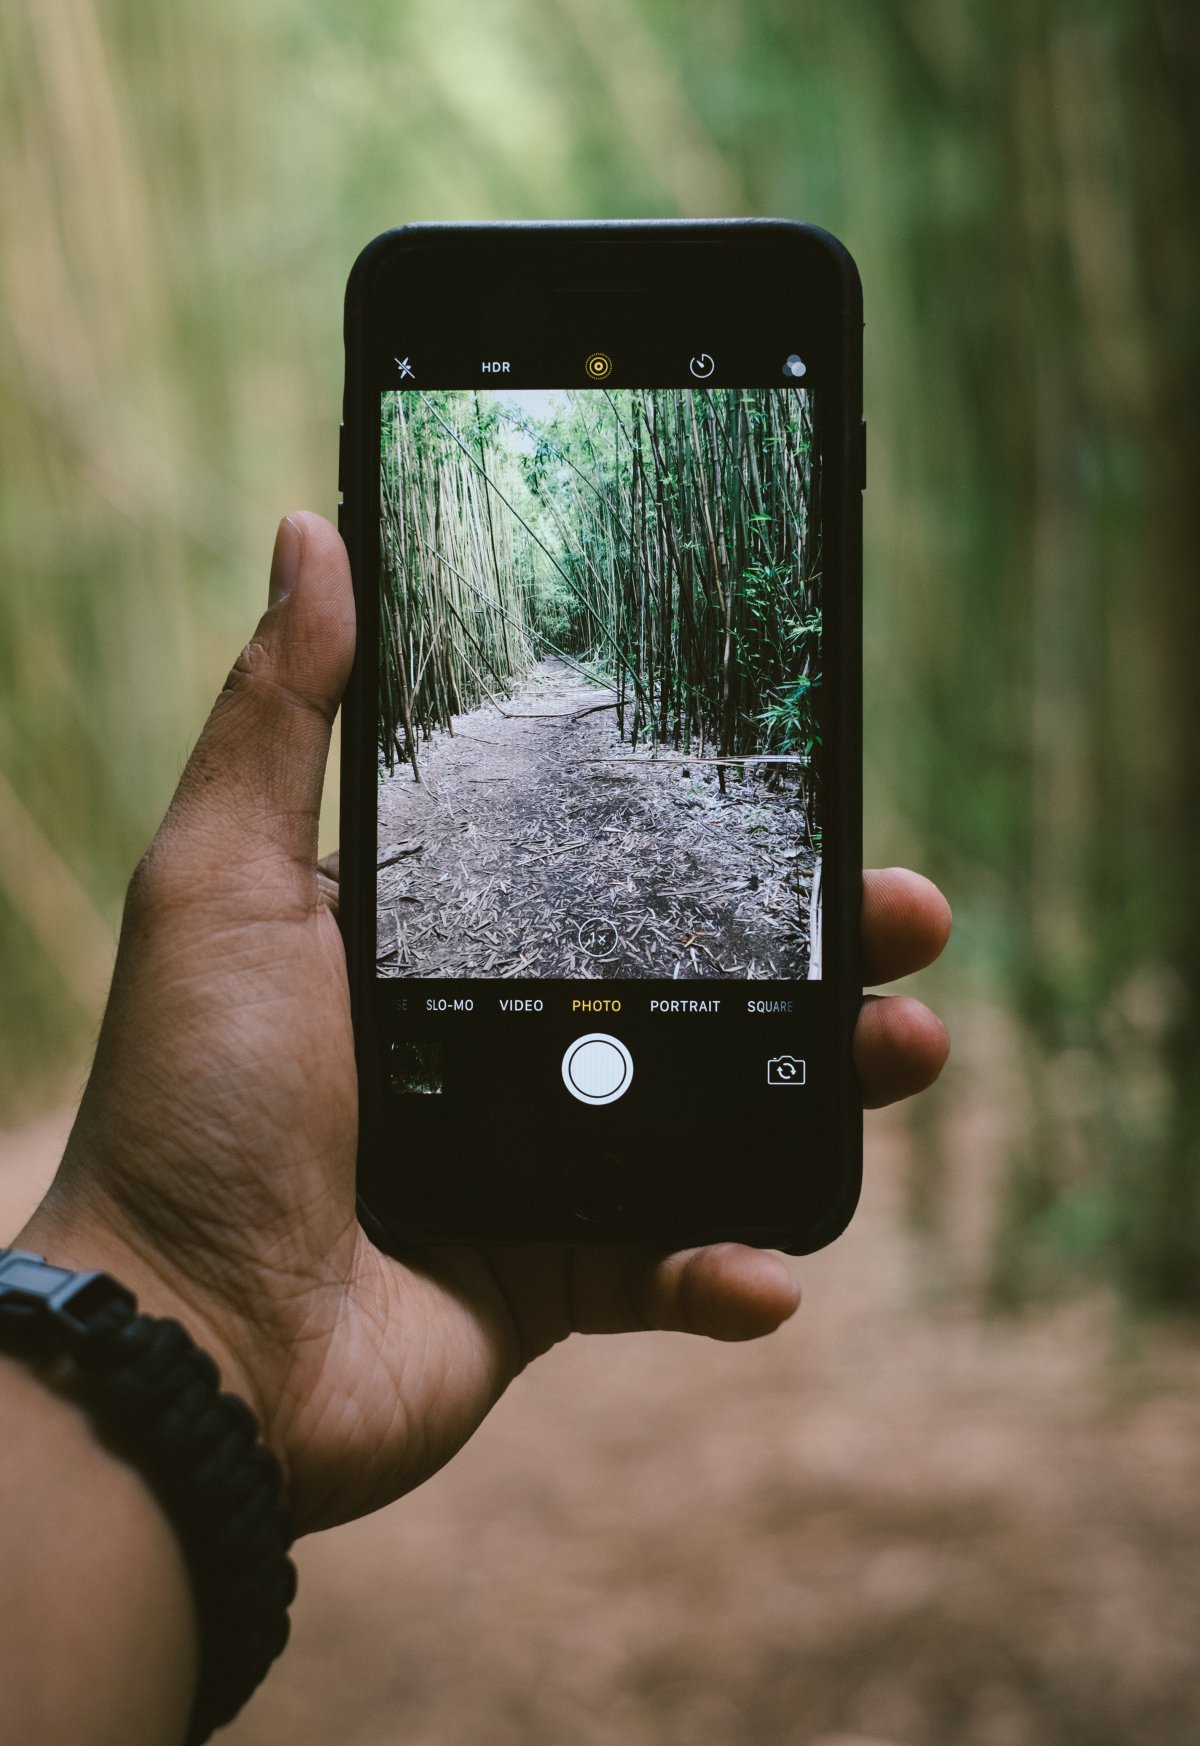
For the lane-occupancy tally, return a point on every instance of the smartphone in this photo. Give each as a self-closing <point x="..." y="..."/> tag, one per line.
<point x="601" y="756"/>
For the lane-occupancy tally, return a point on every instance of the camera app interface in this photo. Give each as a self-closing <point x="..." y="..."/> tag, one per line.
<point x="599" y="737"/>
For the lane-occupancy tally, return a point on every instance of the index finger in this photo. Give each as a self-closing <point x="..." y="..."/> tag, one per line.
<point x="905" y="923"/>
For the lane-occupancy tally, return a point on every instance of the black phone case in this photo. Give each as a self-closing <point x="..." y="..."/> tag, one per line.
<point x="845" y="477"/>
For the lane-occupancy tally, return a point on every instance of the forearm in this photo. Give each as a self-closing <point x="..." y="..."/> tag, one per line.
<point x="98" y="1641"/>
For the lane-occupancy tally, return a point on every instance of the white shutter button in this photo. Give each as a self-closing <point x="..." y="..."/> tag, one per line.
<point x="597" y="1068"/>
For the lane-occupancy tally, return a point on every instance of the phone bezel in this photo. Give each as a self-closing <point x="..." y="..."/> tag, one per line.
<point x="826" y="278"/>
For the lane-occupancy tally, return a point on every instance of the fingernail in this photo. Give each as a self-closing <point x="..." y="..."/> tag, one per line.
<point x="285" y="560"/>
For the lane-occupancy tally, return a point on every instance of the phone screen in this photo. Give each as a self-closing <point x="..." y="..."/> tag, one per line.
<point x="603" y="721"/>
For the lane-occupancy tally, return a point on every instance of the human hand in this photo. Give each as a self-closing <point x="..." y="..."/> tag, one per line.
<point x="211" y="1168"/>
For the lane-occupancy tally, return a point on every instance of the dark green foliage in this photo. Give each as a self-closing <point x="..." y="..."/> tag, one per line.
<point x="663" y="541"/>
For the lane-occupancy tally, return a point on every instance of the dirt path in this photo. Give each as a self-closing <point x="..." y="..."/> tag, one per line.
<point x="881" y="1527"/>
<point x="538" y="845"/>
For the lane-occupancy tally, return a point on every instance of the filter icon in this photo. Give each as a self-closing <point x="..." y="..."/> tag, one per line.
<point x="598" y="366"/>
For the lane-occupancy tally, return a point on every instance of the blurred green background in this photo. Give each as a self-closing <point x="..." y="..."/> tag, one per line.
<point x="907" y="1519"/>
<point x="182" y="191"/>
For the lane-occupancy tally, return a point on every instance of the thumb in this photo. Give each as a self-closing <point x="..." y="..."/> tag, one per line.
<point x="727" y="1291"/>
<point x="251" y="790"/>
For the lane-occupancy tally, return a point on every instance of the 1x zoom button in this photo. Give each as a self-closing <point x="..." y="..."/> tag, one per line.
<point x="597" y="1068"/>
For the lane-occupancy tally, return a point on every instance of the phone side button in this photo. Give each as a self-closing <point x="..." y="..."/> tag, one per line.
<point x="862" y="455"/>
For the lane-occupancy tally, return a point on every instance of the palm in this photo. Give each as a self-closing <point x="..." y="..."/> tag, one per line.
<point x="413" y="1361"/>
<point x="397" y="1361"/>
<point x="369" y="1411"/>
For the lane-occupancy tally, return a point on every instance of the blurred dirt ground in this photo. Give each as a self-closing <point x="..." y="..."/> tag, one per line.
<point x="889" y="1525"/>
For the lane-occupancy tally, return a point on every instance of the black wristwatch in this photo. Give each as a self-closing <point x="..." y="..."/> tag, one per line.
<point x="155" y="1399"/>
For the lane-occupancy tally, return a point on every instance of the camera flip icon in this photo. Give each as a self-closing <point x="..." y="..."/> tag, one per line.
<point x="785" y="1070"/>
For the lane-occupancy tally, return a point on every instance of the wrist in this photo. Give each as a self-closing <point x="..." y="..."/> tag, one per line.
<point x="91" y="1555"/>
<point x="156" y="1399"/>
<point x="85" y="1244"/>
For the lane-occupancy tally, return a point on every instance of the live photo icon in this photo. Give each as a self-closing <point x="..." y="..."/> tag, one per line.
<point x="785" y="1070"/>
